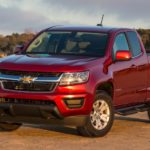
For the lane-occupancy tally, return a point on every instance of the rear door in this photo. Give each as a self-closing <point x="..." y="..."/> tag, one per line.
<point x="139" y="61"/>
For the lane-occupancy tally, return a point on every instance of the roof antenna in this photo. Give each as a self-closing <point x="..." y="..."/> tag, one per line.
<point x="101" y="24"/>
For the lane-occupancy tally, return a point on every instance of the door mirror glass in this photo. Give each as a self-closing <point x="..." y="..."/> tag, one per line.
<point x="123" y="55"/>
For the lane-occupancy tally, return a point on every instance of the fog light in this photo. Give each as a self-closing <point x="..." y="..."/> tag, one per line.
<point x="74" y="102"/>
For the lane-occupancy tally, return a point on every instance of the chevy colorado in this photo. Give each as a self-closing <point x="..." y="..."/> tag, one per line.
<point x="75" y="75"/>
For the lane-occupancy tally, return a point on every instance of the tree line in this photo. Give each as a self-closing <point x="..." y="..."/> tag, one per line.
<point x="145" y="35"/>
<point x="9" y="42"/>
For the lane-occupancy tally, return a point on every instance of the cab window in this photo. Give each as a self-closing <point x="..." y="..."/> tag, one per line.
<point x="120" y="43"/>
<point x="134" y="43"/>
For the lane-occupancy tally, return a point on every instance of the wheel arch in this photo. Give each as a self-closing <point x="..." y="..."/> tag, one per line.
<point x="107" y="87"/>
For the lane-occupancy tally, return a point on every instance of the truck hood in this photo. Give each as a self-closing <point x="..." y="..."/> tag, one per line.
<point x="46" y="63"/>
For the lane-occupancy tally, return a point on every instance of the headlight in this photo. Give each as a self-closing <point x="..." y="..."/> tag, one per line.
<point x="74" y="78"/>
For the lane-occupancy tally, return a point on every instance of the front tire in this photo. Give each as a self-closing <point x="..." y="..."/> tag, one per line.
<point x="9" y="126"/>
<point x="101" y="118"/>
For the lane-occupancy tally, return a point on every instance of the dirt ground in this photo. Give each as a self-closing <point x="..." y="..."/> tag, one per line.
<point x="128" y="133"/>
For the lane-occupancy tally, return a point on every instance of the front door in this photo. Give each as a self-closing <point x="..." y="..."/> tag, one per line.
<point x="130" y="77"/>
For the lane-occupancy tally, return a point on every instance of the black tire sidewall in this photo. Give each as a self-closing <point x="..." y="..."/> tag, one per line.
<point x="148" y="113"/>
<point x="9" y="126"/>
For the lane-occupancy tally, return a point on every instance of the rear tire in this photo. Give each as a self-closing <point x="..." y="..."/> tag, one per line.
<point x="100" y="120"/>
<point x="9" y="126"/>
<point x="148" y="113"/>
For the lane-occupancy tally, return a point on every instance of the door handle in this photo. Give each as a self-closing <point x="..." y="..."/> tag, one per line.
<point x="133" y="66"/>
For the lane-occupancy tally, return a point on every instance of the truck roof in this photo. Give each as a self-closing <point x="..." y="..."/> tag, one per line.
<point x="86" y="28"/>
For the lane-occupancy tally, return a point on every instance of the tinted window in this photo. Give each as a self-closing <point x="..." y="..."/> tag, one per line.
<point x="134" y="43"/>
<point x="120" y="43"/>
<point x="69" y="43"/>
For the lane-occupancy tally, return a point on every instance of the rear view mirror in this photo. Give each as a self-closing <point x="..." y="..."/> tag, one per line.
<point x="123" y="55"/>
<point x="18" y="49"/>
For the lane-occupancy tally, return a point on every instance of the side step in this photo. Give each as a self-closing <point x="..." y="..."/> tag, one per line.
<point x="132" y="109"/>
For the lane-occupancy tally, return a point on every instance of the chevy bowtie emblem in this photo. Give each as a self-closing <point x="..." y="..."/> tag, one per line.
<point x="27" y="79"/>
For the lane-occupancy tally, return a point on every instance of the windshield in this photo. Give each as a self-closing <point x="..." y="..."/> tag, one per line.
<point x="72" y="43"/>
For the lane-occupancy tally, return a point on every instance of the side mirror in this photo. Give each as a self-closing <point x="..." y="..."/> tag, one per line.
<point x="123" y="55"/>
<point x="18" y="49"/>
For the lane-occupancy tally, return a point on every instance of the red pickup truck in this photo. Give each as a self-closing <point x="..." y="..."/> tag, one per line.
<point x="78" y="76"/>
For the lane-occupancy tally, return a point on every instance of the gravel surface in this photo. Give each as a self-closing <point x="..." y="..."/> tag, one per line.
<point x="128" y="133"/>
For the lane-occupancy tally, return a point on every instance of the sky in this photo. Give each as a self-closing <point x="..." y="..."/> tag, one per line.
<point x="35" y="15"/>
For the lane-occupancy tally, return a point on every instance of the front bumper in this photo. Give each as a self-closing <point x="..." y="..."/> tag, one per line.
<point x="58" y="97"/>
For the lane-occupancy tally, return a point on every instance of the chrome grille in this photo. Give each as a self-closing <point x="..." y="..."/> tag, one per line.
<point x="33" y="74"/>
<point x="35" y="87"/>
<point x="38" y="81"/>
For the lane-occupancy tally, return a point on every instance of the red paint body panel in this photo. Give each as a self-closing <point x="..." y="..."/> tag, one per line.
<point x="129" y="78"/>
